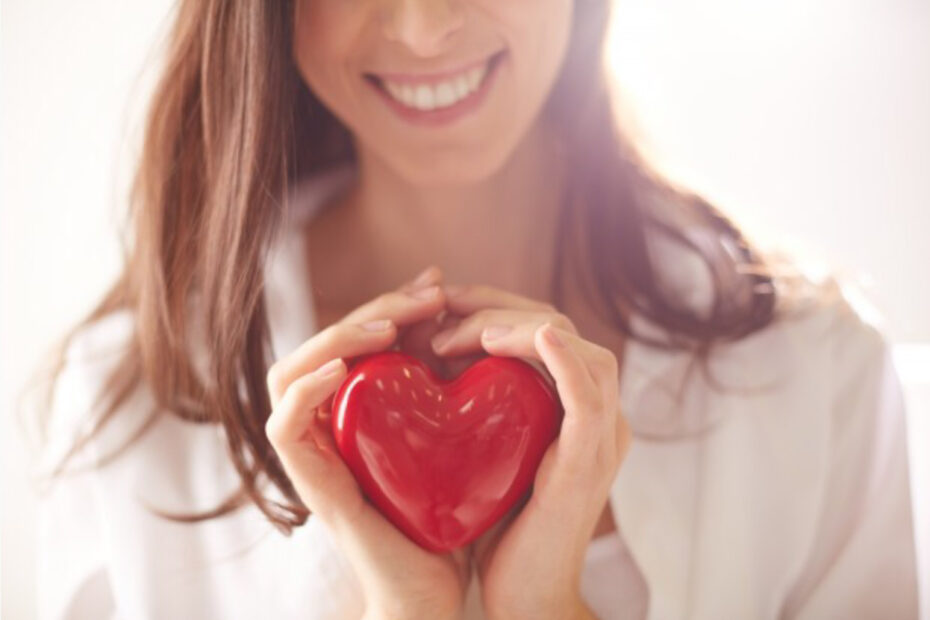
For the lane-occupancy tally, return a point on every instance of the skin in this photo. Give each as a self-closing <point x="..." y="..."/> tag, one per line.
<point x="426" y="196"/>
<point x="399" y="579"/>
<point x="432" y="191"/>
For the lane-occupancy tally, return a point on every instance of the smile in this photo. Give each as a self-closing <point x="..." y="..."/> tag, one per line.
<point x="437" y="97"/>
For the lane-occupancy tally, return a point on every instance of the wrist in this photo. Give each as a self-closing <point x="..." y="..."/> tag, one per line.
<point x="563" y="608"/>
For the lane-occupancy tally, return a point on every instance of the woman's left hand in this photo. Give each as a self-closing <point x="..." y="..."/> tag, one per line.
<point x="530" y="563"/>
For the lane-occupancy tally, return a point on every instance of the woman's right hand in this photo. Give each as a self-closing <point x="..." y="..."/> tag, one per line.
<point x="399" y="578"/>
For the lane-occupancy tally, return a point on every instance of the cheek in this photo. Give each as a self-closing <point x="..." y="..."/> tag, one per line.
<point x="326" y="33"/>
<point x="541" y="32"/>
<point x="335" y="40"/>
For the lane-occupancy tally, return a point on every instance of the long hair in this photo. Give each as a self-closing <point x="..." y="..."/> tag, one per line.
<point x="231" y="125"/>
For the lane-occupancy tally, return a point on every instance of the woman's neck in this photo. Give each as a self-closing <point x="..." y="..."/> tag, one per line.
<point x="499" y="231"/>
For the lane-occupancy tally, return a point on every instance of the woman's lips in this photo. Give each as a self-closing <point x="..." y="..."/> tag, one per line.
<point x="437" y="76"/>
<point x="437" y="98"/>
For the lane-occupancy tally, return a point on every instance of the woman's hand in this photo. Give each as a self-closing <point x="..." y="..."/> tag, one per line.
<point x="399" y="579"/>
<point x="530" y="564"/>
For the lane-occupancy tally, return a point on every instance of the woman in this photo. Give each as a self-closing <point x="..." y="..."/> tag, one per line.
<point x="351" y="145"/>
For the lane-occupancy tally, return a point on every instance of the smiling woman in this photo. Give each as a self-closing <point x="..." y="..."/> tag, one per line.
<point x="301" y="161"/>
<point x="429" y="53"/>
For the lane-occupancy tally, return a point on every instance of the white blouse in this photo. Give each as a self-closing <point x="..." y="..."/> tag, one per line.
<point x="792" y="503"/>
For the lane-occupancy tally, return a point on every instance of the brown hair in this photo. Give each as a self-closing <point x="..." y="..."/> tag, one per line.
<point x="231" y="125"/>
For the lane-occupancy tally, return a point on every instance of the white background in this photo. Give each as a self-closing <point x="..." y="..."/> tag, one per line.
<point x="806" y="120"/>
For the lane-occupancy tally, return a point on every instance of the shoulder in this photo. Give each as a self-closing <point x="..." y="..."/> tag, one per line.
<point x="827" y="341"/>
<point x="833" y="309"/>
<point x="826" y="329"/>
<point x="830" y="341"/>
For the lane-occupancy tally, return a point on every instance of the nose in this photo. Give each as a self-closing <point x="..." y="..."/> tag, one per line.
<point x="424" y="26"/>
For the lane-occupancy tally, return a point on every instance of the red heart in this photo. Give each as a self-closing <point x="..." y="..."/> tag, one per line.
<point x="444" y="460"/>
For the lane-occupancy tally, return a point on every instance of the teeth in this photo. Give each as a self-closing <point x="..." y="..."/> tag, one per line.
<point x="474" y="77"/>
<point x="424" y="99"/>
<point x="461" y="87"/>
<point x="445" y="94"/>
<point x="438" y="95"/>
<point x="408" y="94"/>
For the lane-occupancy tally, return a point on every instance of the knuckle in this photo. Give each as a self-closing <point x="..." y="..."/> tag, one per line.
<point x="272" y="428"/>
<point x="479" y="317"/>
<point x="391" y="299"/>
<point x="382" y="303"/>
<point x="274" y="379"/>
<point x="563" y="322"/>
<point x="474" y="322"/>
<point x="606" y="361"/>
<point x="332" y="339"/>
<point x="300" y="392"/>
<point x="341" y="332"/>
<point x="330" y="335"/>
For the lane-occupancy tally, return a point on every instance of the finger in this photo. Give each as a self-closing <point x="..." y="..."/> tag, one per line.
<point x="290" y="419"/>
<point x="401" y="307"/>
<point x="600" y="362"/>
<point x="560" y="351"/>
<point x="305" y="446"/>
<point x="371" y="541"/>
<point x="341" y="340"/>
<point x="430" y="276"/>
<point x="519" y="340"/>
<point x="468" y="335"/>
<point x="467" y="299"/>
<point x="358" y="333"/>
<point x="413" y="301"/>
<point x="302" y="438"/>
<point x="592" y="411"/>
<point x="415" y="340"/>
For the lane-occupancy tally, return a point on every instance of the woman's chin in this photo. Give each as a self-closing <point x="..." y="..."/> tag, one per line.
<point x="451" y="172"/>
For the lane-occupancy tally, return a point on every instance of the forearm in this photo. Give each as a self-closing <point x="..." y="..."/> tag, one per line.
<point x="579" y="610"/>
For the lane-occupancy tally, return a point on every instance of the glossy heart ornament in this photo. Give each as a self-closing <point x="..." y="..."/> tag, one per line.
<point x="444" y="460"/>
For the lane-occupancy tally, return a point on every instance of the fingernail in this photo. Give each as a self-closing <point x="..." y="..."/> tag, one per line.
<point x="452" y="290"/>
<point x="441" y="339"/>
<point x="552" y="337"/>
<point x="424" y="278"/>
<point x="496" y="331"/>
<point x="377" y="326"/>
<point x="426" y="293"/>
<point x="330" y="368"/>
